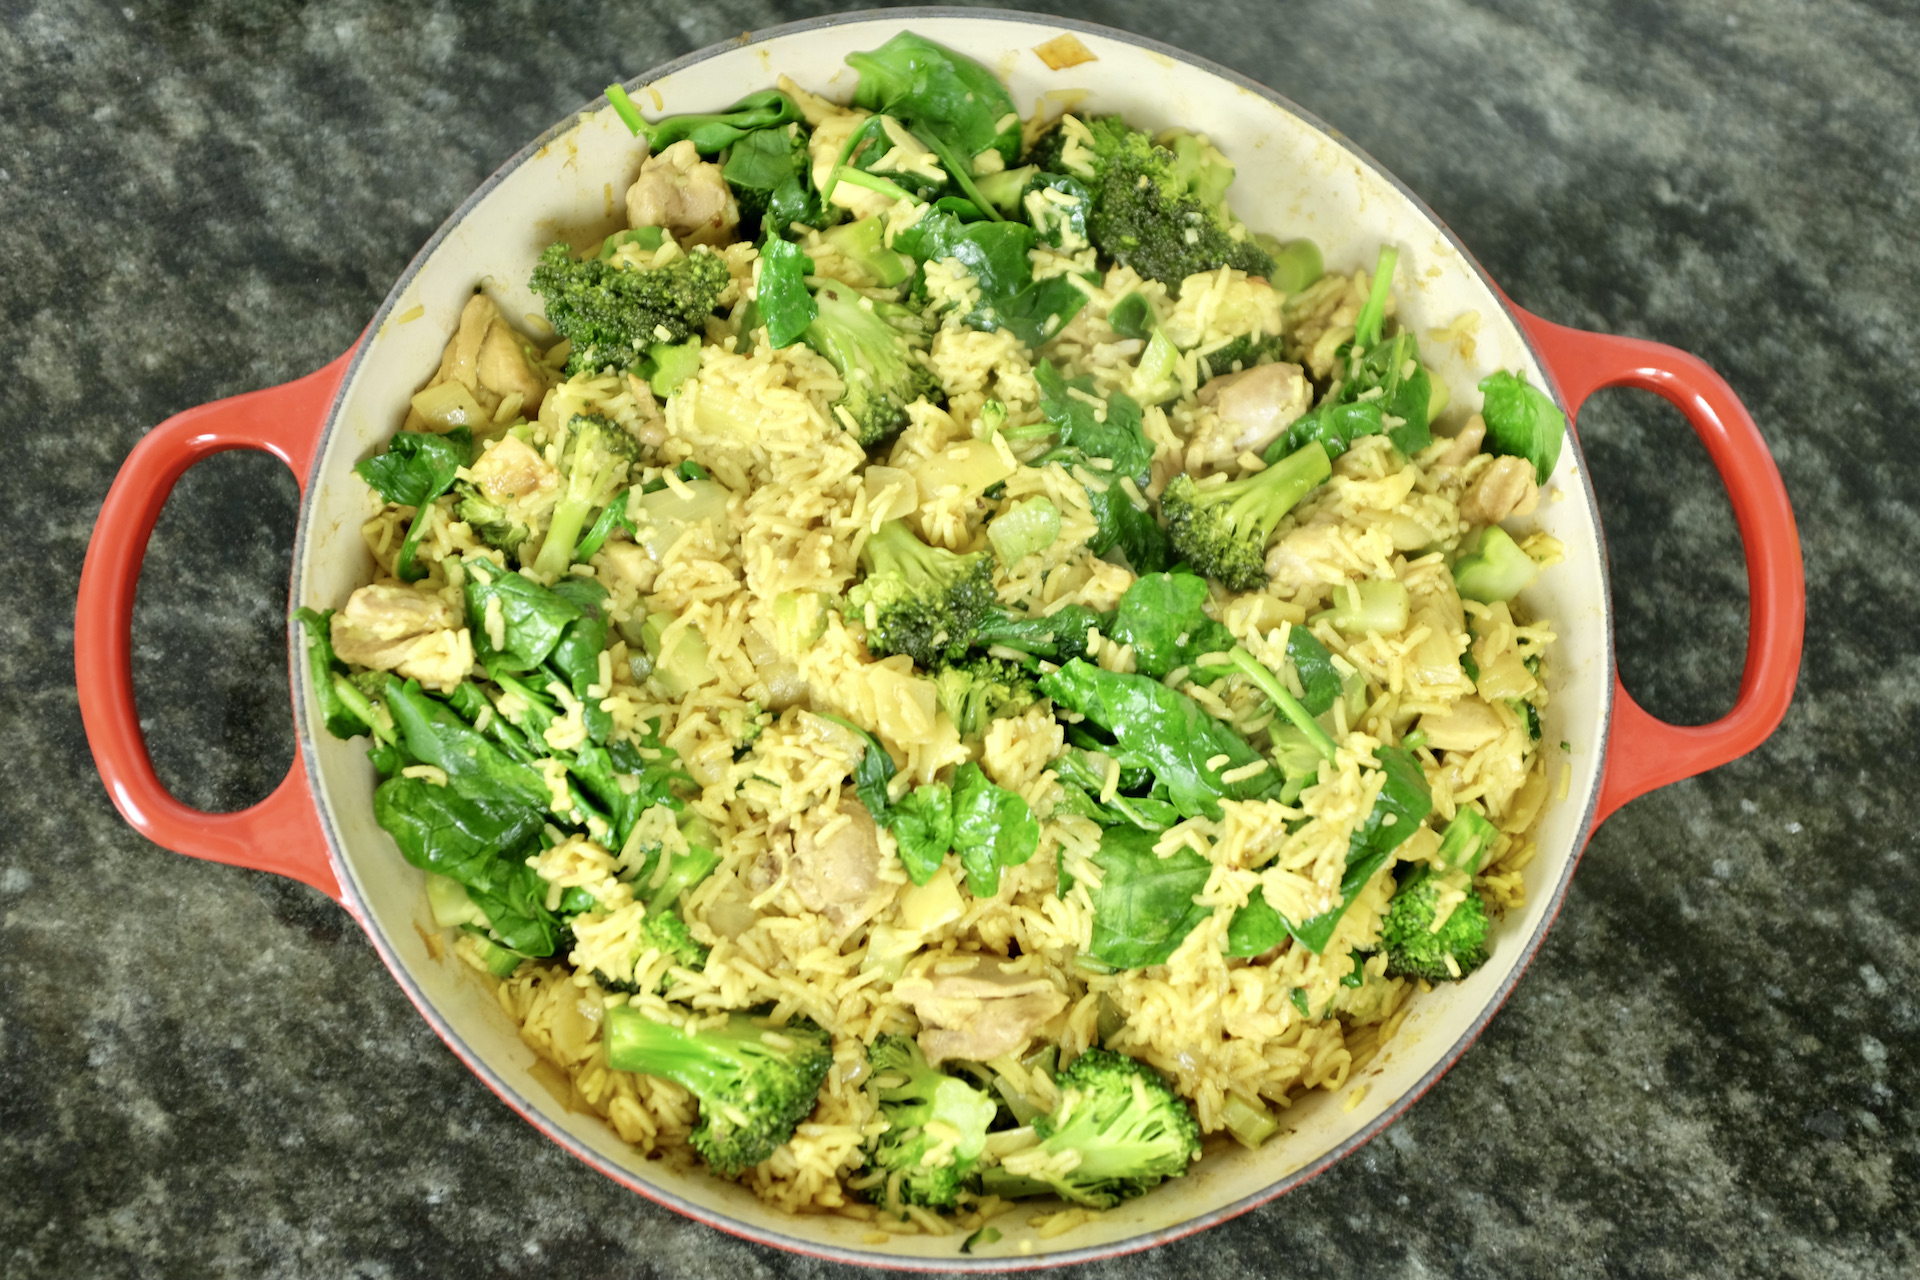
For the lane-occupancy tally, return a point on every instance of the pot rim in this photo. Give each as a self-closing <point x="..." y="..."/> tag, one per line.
<point x="517" y="1099"/>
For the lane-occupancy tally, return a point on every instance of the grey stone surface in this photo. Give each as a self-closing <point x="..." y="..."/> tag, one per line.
<point x="1710" y="1069"/>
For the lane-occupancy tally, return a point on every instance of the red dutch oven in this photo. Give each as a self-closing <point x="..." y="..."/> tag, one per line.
<point x="1296" y="177"/>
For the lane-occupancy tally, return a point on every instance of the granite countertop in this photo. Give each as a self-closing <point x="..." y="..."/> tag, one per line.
<point x="1711" y="1067"/>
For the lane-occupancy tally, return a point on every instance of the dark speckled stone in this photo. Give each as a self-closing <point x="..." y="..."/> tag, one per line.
<point x="1710" y="1069"/>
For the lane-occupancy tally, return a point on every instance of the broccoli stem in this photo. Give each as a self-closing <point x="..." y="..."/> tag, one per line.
<point x="556" y="553"/>
<point x="1366" y="330"/>
<point x="624" y="108"/>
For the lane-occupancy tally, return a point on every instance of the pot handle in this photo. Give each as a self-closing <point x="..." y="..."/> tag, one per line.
<point x="282" y="833"/>
<point x="1643" y="752"/>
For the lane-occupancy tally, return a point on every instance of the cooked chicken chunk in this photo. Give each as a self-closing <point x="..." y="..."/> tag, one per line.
<point x="835" y="868"/>
<point x="685" y="194"/>
<point x="414" y="634"/>
<point x="1252" y="408"/>
<point x="511" y="469"/>
<point x="980" y="1012"/>
<point x="487" y="357"/>
<point x="1464" y="446"/>
<point x="1504" y="489"/>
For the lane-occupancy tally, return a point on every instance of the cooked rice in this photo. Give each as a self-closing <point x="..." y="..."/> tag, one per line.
<point x="754" y="589"/>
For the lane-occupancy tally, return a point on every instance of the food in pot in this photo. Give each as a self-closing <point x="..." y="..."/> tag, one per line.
<point x="952" y="668"/>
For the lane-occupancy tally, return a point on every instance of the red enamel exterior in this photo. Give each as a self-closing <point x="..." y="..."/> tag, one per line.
<point x="282" y="833"/>
<point x="1644" y="753"/>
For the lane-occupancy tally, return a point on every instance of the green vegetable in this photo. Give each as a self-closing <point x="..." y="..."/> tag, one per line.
<point x="1399" y="396"/>
<point x="1372" y="604"/>
<point x="1083" y="776"/>
<point x="996" y="255"/>
<point x="1144" y="907"/>
<point x="1027" y="527"/>
<point x="489" y="520"/>
<point x="1403" y="804"/>
<point x="1256" y="928"/>
<point x="1161" y="729"/>
<point x="1158" y="209"/>
<point x="1086" y="433"/>
<point x="1284" y="701"/>
<point x="416" y="468"/>
<point x="873" y="346"/>
<point x="1054" y="636"/>
<point x="978" y="691"/>
<point x="532" y="616"/>
<point x="1415" y="949"/>
<point x="1495" y="570"/>
<point x="598" y="455"/>
<point x="951" y="101"/>
<point x="1319" y="679"/>
<point x="1125" y="1127"/>
<point x="1466" y="842"/>
<point x="864" y="242"/>
<point x="993" y="829"/>
<point x="336" y="712"/>
<point x="615" y="315"/>
<point x="769" y="1078"/>
<point x="1222" y="529"/>
<point x="786" y="307"/>
<point x="1060" y="223"/>
<point x="1522" y="422"/>
<point x="919" y="600"/>
<point x="1163" y="617"/>
<point x="715" y="131"/>
<point x="767" y="171"/>
<point x="936" y="1126"/>
<point x="669" y="364"/>
<point x="1296" y="264"/>
<point x="922" y="825"/>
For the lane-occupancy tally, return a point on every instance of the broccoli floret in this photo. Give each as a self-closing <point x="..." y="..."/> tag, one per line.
<point x="936" y="1126"/>
<point x="754" y="1083"/>
<point x="1118" y="1131"/>
<point x="598" y="455"/>
<point x="1415" y="949"/>
<point x="663" y="929"/>
<point x="1222" y="530"/>
<point x="920" y="600"/>
<point x="876" y="348"/>
<point x="979" y="691"/>
<point x="489" y="521"/>
<point x="1247" y="350"/>
<point x="1158" y="207"/>
<point x="612" y="314"/>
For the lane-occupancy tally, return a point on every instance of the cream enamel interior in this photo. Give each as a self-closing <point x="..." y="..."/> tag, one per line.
<point x="1293" y="180"/>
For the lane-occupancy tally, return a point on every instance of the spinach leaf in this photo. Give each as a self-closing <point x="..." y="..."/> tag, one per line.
<point x="1115" y="434"/>
<point x="923" y="830"/>
<point x="515" y="905"/>
<point x="461" y="837"/>
<point x="1129" y="529"/>
<point x="1403" y="804"/>
<point x="1083" y="778"/>
<point x="1256" y="928"/>
<point x="767" y="170"/>
<point x="576" y="660"/>
<point x="1522" y="422"/>
<point x="1061" y="224"/>
<point x="719" y="130"/>
<point x="1162" y="617"/>
<point x="1144" y="907"/>
<point x="1161" y="729"/>
<point x="786" y="308"/>
<point x="954" y="103"/>
<point x="1404" y="394"/>
<point x="532" y="617"/>
<point x="602" y="773"/>
<point x="992" y="829"/>
<point x="1333" y="424"/>
<point x="341" y="719"/>
<point x="1062" y="633"/>
<point x="416" y="468"/>
<point x="1319" y="679"/>
<point x="871" y="773"/>
<point x="432" y="734"/>
<point x="995" y="254"/>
